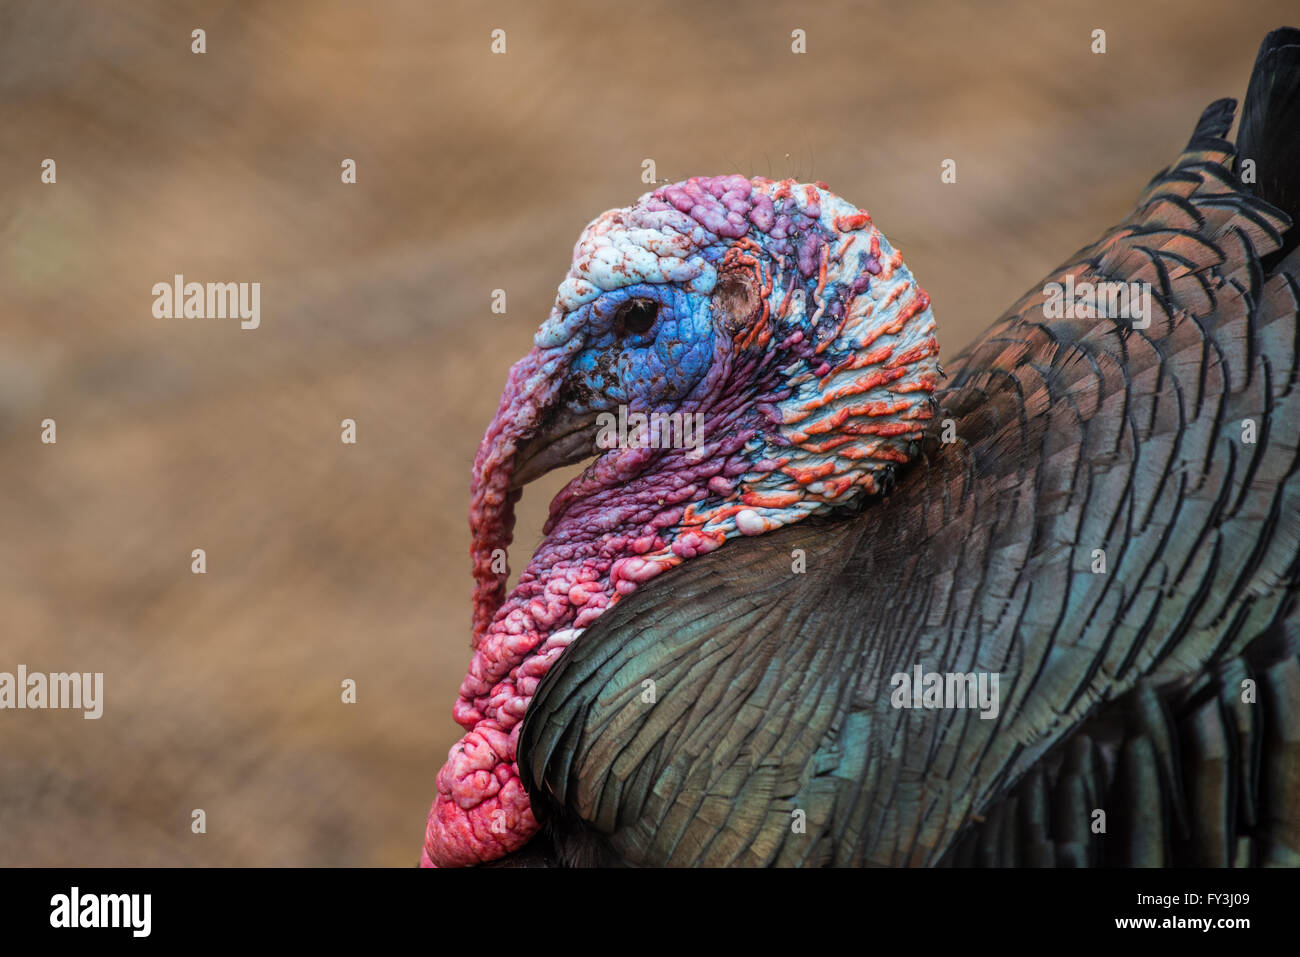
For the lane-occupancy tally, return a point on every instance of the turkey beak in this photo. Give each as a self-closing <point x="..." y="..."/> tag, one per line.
<point x="566" y="438"/>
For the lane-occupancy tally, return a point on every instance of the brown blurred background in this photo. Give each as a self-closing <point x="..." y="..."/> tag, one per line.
<point x="475" y="172"/>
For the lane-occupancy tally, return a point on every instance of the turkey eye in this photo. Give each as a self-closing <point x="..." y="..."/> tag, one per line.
<point x="636" y="316"/>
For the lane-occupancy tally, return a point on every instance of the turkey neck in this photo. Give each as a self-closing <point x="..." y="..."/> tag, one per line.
<point x="607" y="534"/>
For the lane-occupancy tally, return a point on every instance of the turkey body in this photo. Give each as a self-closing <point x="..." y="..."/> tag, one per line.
<point x="1105" y="514"/>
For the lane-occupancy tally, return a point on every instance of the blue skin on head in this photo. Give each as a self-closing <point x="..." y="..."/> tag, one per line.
<point x="648" y="371"/>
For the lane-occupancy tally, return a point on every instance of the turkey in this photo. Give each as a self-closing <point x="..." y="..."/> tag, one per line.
<point x="816" y="601"/>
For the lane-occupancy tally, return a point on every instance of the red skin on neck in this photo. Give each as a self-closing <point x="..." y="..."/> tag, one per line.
<point x="612" y="528"/>
<point x="481" y="811"/>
